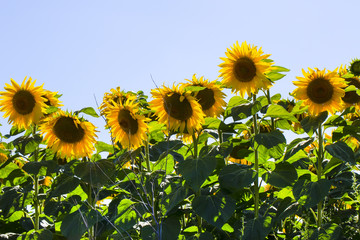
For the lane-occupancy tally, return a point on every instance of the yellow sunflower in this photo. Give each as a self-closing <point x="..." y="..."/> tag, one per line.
<point x="68" y="135"/>
<point x="128" y="127"/>
<point x="51" y="99"/>
<point x="177" y="109"/>
<point x="244" y="68"/>
<point x="211" y="98"/>
<point x="23" y="104"/>
<point x="351" y="98"/>
<point x="320" y="91"/>
<point x="3" y="156"/>
<point x="113" y="97"/>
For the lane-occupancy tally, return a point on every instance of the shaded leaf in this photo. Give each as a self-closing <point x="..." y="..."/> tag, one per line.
<point x="341" y="151"/>
<point x="309" y="193"/>
<point x="96" y="173"/>
<point x="284" y="175"/>
<point x="234" y="177"/>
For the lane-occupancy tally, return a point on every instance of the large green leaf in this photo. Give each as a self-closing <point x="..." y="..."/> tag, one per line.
<point x="215" y="209"/>
<point x="274" y="141"/>
<point x="257" y="228"/>
<point x="245" y="110"/>
<point x="77" y="223"/>
<point x="309" y="193"/>
<point x="170" y="228"/>
<point x="341" y="151"/>
<point x="195" y="171"/>
<point x="310" y="123"/>
<point x="297" y="145"/>
<point x="63" y="184"/>
<point x="89" y="111"/>
<point x="42" y="234"/>
<point x="284" y="175"/>
<point x="95" y="173"/>
<point x="234" y="177"/>
<point x="278" y="111"/>
<point x="126" y="216"/>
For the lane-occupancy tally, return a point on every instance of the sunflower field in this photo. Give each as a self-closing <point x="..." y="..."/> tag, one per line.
<point x="187" y="162"/>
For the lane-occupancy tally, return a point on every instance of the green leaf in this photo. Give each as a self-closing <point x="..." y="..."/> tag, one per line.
<point x="195" y="171"/>
<point x="176" y="196"/>
<point x="165" y="163"/>
<point x="234" y="177"/>
<point x="89" y="111"/>
<point x="63" y="184"/>
<point x="170" y="228"/>
<point x="257" y="229"/>
<point x="279" y="69"/>
<point x="42" y="234"/>
<point x="274" y="141"/>
<point x="341" y="151"/>
<point x="215" y="209"/>
<point x="296" y="145"/>
<point x="77" y="223"/>
<point x="212" y="123"/>
<point x="96" y="173"/>
<point x="234" y="101"/>
<point x="274" y="76"/>
<point x="26" y="145"/>
<point x="126" y="216"/>
<point x="309" y="193"/>
<point x="103" y="147"/>
<point x="284" y="175"/>
<point x="277" y="111"/>
<point x="310" y="124"/>
<point x="194" y="88"/>
<point x="245" y="110"/>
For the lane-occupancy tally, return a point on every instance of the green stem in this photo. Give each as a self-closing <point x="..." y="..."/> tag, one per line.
<point x="319" y="171"/>
<point x="270" y="102"/>
<point x="36" y="187"/>
<point x="147" y="155"/>
<point x="195" y="140"/>
<point x="256" y="165"/>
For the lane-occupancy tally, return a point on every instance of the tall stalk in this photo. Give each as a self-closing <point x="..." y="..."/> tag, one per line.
<point x="36" y="187"/>
<point x="320" y="159"/>
<point x="195" y="156"/>
<point x="256" y="184"/>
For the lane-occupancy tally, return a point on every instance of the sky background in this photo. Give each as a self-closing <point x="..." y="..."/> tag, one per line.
<point x="82" y="49"/>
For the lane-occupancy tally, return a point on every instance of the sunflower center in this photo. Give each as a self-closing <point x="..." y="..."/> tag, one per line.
<point x="351" y="96"/>
<point x="180" y="110"/>
<point x="67" y="131"/>
<point x="355" y="68"/>
<point x="244" y="69"/>
<point x="320" y="90"/>
<point x="23" y="102"/>
<point x="127" y="122"/>
<point x="206" y="98"/>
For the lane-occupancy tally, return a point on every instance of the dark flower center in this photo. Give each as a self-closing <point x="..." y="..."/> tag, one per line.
<point x="351" y="96"/>
<point x="67" y="131"/>
<point x="23" y="102"/>
<point x="244" y="69"/>
<point x="180" y="110"/>
<point x="320" y="90"/>
<point x="206" y="98"/>
<point x="127" y="122"/>
<point x="355" y="68"/>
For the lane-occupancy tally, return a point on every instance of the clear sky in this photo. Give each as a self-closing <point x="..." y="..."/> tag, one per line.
<point x="84" y="48"/>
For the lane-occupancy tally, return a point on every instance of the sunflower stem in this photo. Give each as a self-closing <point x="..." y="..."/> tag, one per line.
<point x="36" y="187"/>
<point x="256" y="165"/>
<point x="195" y="140"/>
<point x="270" y="102"/>
<point x="147" y="155"/>
<point x="319" y="171"/>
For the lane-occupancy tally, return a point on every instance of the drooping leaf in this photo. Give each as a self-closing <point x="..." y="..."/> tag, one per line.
<point x="170" y="228"/>
<point x="195" y="171"/>
<point x="234" y="177"/>
<point x="42" y="234"/>
<point x="284" y="175"/>
<point x="310" y="124"/>
<point x="63" y="184"/>
<point x="96" y="173"/>
<point x="341" y="151"/>
<point x="278" y="111"/>
<point x="309" y="193"/>
<point x="126" y="216"/>
<point x="257" y="228"/>
<point x="89" y="111"/>
<point x="297" y="145"/>
<point x="215" y="209"/>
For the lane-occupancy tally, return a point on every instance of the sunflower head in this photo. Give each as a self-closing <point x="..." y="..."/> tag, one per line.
<point x="52" y="99"/>
<point x="23" y="104"/>
<point x="244" y="69"/>
<point x="208" y="94"/>
<point x="355" y="67"/>
<point x="239" y="152"/>
<point x="115" y="96"/>
<point x="128" y="126"/>
<point x="68" y="135"/>
<point x="320" y="91"/>
<point x="3" y="156"/>
<point x="177" y="109"/>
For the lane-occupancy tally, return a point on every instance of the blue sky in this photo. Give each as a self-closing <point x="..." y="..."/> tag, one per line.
<point x="84" y="48"/>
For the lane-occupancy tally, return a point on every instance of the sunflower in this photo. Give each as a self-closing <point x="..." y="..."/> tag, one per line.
<point x="177" y="109"/>
<point x="211" y="98"/>
<point x="51" y="99"/>
<point x="351" y="98"/>
<point x="320" y="91"/>
<point x="128" y="127"/>
<point x="68" y="135"/>
<point x="23" y="104"/>
<point x="244" y="69"/>
<point x="3" y="156"/>
<point x="237" y="151"/>
<point x="355" y="67"/>
<point x="113" y="97"/>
